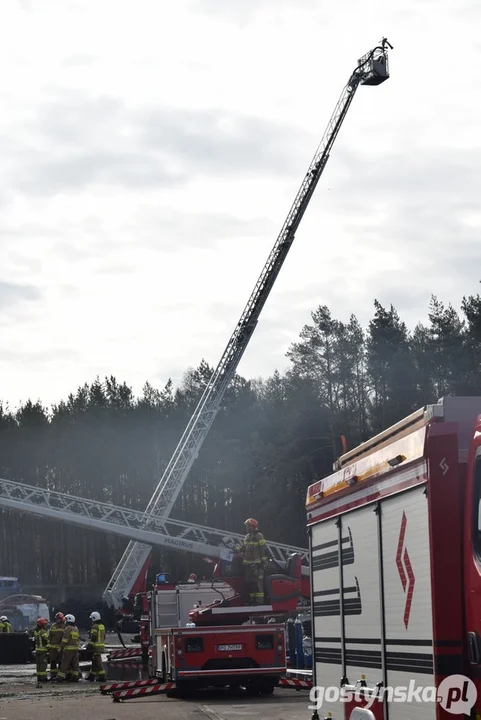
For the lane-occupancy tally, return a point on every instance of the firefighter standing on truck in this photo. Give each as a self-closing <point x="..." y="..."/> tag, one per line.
<point x="96" y="645"/>
<point x="70" y="651"/>
<point x="254" y="550"/>
<point x="41" y="649"/>
<point x="55" y="636"/>
<point x="5" y="626"/>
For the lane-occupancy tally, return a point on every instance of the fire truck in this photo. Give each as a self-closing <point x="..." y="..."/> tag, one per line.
<point x="221" y="642"/>
<point x="225" y="643"/>
<point x="395" y="562"/>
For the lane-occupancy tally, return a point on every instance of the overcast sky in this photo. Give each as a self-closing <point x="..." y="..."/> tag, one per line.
<point x="151" y="150"/>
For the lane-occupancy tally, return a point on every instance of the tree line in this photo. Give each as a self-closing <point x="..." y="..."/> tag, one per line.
<point x="272" y="437"/>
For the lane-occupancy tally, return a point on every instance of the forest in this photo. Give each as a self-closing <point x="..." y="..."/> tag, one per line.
<point x="272" y="437"/>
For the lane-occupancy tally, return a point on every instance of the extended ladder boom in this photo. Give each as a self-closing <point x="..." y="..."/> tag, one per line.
<point x="162" y="532"/>
<point x="372" y="69"/>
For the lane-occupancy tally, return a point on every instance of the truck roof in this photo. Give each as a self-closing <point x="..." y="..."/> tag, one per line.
<point x="400" y="444"/>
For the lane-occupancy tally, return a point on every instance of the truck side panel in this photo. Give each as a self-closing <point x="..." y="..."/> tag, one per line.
<point x="327" y="626"/>
<point x="362" y="598"/>
<point x="407" y="596"/>
<point x="386" y="574"/>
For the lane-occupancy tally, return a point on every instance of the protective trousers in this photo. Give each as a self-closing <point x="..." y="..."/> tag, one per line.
<point x="55" y="660"/>
<point x="69" y="665"/>
<point x="255" y="584"/>
<point x="41" y="657"/>
<point x="97" y="672"/>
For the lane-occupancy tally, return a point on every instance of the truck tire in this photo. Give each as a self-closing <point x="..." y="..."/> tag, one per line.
<point x="260" y="688"/>
<point x="267" y="689"/>
<point x="186" y="688"/>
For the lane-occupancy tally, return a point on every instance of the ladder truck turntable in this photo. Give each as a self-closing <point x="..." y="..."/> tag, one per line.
<point x="238" y="644"/>
<point x="395" y="558"/>
<point x="371" y="70"/>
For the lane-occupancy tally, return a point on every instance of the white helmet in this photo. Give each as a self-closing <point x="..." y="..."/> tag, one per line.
<point x="70" y="618"/>
<point x="95" y="616"/>
<point x="3" y="618"/>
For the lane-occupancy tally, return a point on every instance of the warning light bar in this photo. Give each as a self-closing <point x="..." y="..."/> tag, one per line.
<point x="408" y="448"/>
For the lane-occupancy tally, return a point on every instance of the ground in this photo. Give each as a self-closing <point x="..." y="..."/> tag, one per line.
<point x="22" y="701"/>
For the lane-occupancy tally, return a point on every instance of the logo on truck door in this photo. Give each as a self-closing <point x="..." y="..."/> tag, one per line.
<point x="405" y="570"/>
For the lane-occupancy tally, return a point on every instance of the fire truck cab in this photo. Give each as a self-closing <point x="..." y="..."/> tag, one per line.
<point x="395" y="555"/>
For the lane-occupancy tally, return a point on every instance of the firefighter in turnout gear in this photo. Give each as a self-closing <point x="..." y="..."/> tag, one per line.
<point x="5" y="626"/>
<point x="41" y="649"/>
<point x="55" y="636"/>
<point x="70" y="651"/>
<point x="253" y="549"/>
<point x="96" y="645"/>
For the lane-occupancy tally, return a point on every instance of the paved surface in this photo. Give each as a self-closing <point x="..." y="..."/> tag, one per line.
<point x="84" y="702"/>
<point x="20" y="699"/>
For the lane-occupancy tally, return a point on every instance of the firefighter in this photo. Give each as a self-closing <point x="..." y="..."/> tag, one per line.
<point x="41" y="649"/>
<point x="253" y="549"/>
<point x="96" y="645"/>
<point x="55" y="636"/>
<point x="70" y="651"/>
<point x="5" y="626"/>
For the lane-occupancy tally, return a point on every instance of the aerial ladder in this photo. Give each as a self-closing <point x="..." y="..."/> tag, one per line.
<point x="372" y="69"/>
<point x="105" y="517"/>
<point x="154" y="526"/>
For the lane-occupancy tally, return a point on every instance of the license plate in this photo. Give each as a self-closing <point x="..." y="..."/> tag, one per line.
<point x="228" y="648"/>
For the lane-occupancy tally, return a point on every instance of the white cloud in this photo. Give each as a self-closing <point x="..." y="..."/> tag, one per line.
<point x="151" y="151"/>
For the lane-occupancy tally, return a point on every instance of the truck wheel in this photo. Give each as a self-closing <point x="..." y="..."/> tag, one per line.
<point x="185" y="688"/>
<point x="267" y="689"/>
<point x="254" y="689"/>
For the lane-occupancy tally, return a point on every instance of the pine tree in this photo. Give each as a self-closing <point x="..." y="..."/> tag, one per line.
<point x="447" y="333"/>
<point x="391" y="370"/>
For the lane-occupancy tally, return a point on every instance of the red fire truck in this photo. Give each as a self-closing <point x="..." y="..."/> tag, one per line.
<point x="395" y="554"/>
<point x="226" y="642"/>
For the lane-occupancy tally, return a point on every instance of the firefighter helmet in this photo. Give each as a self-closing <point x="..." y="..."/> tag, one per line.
<point x="42" y="622"/>
<point x="60" y="617"/>
<point x="192" y="578"/>
<point x="94" y="616"/>
<point x="3" y="618"/>
<point x="252" y="523"/>
<point x="70" y="618"/>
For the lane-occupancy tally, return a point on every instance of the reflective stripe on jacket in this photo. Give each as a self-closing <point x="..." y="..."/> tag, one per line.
<point x="41" y="640"/>
<point x="97" y="637"/>
<point x="71" y="638"/>
<point x="55" y="634"/>
<point x="254" y="548"/>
